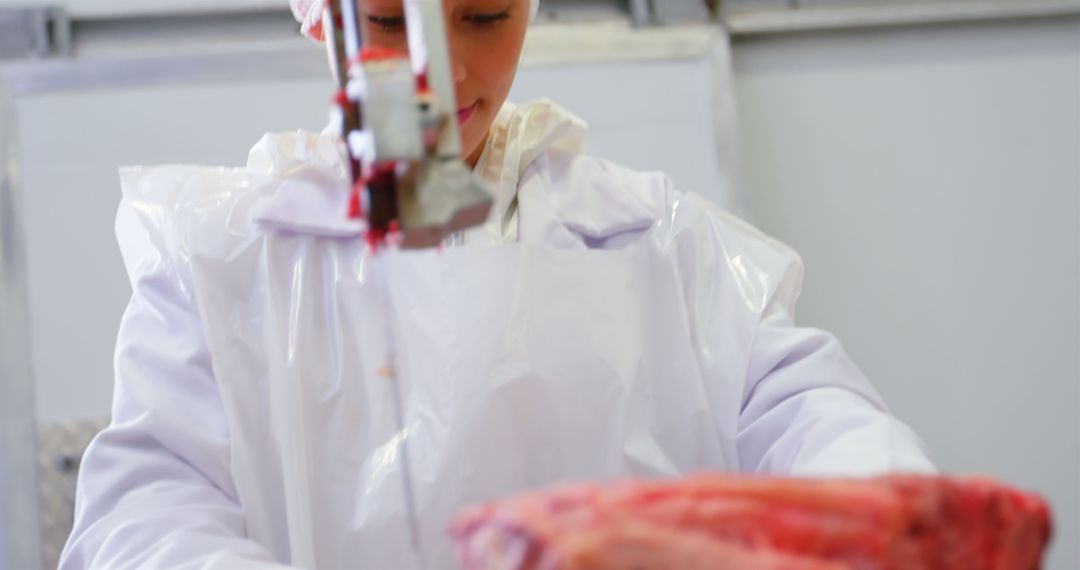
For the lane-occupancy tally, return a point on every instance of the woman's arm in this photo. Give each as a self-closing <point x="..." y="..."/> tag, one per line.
<point x="155" y="489"/>
<point x="810" y="411"/>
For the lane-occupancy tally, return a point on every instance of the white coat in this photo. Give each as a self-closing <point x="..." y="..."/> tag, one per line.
<point x="601" y="325"/>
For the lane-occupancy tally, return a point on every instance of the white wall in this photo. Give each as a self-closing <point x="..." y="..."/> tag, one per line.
<point x="931" y="180"/>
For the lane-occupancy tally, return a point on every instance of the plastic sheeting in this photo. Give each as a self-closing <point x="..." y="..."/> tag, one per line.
<point x="520" y="365"/>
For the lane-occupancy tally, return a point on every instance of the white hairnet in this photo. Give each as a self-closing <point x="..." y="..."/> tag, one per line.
<point x="309" y="14"/>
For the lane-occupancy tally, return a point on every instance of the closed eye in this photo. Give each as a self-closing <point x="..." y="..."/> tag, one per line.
<point x="484" y="20"/>
<point x="397" y="23"/>
<point x="388" y="23"/>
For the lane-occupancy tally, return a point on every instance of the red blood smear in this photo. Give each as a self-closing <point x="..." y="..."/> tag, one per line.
<point x="356" y="207"/>
<point x="377" y="53"/>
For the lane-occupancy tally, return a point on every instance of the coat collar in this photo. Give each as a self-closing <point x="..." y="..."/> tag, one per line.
<point x="308" y="185"/>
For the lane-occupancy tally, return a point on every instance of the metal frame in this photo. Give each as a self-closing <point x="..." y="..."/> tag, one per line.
<point x="758" y="17"/>
<point x="32" y="32"/>
<point x="107" y="30"/>
<point x="599" y="40"/>
<point x="256" y="39"/>
<point x="20" y="528"/>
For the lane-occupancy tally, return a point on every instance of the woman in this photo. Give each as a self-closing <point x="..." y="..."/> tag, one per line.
<point x="600" y="325"/>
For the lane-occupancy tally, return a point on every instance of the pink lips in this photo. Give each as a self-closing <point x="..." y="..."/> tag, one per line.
<point x="466" y="113"/>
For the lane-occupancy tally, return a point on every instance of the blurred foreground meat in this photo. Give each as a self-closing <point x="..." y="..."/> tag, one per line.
<point x="721" y="523"/>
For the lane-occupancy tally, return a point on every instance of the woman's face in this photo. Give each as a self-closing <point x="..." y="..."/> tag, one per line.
<point x="485" y="36"/>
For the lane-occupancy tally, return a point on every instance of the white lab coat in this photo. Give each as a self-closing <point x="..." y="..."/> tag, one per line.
<point x="631" y="330"/>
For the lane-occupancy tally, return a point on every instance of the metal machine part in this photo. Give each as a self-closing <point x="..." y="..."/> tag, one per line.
<point x="33" y="33"/>
<point x="399" y="119"/>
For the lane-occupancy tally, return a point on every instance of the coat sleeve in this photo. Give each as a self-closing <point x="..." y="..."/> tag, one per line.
<point x="810" y="411"/>
<point x="154" y="488"/>
<point x="793" y="401"/>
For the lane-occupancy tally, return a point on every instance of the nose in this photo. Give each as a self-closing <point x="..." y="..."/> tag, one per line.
<point x="457" y="69"/>
<point x="458" y="47"/>
<point x="458" y="55"/>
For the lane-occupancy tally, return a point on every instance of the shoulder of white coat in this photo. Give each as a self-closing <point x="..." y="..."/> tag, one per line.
<point x="600" y="199"/>
<point x="764" y="269"/>
<point x="166" y="199"/>
<point x="186" y="207"/>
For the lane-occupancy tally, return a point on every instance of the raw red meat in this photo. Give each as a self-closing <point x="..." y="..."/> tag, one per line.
<point x="720" y="522"/>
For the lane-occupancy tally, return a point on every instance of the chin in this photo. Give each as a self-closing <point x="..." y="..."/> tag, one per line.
<point x="471" y="141"/>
